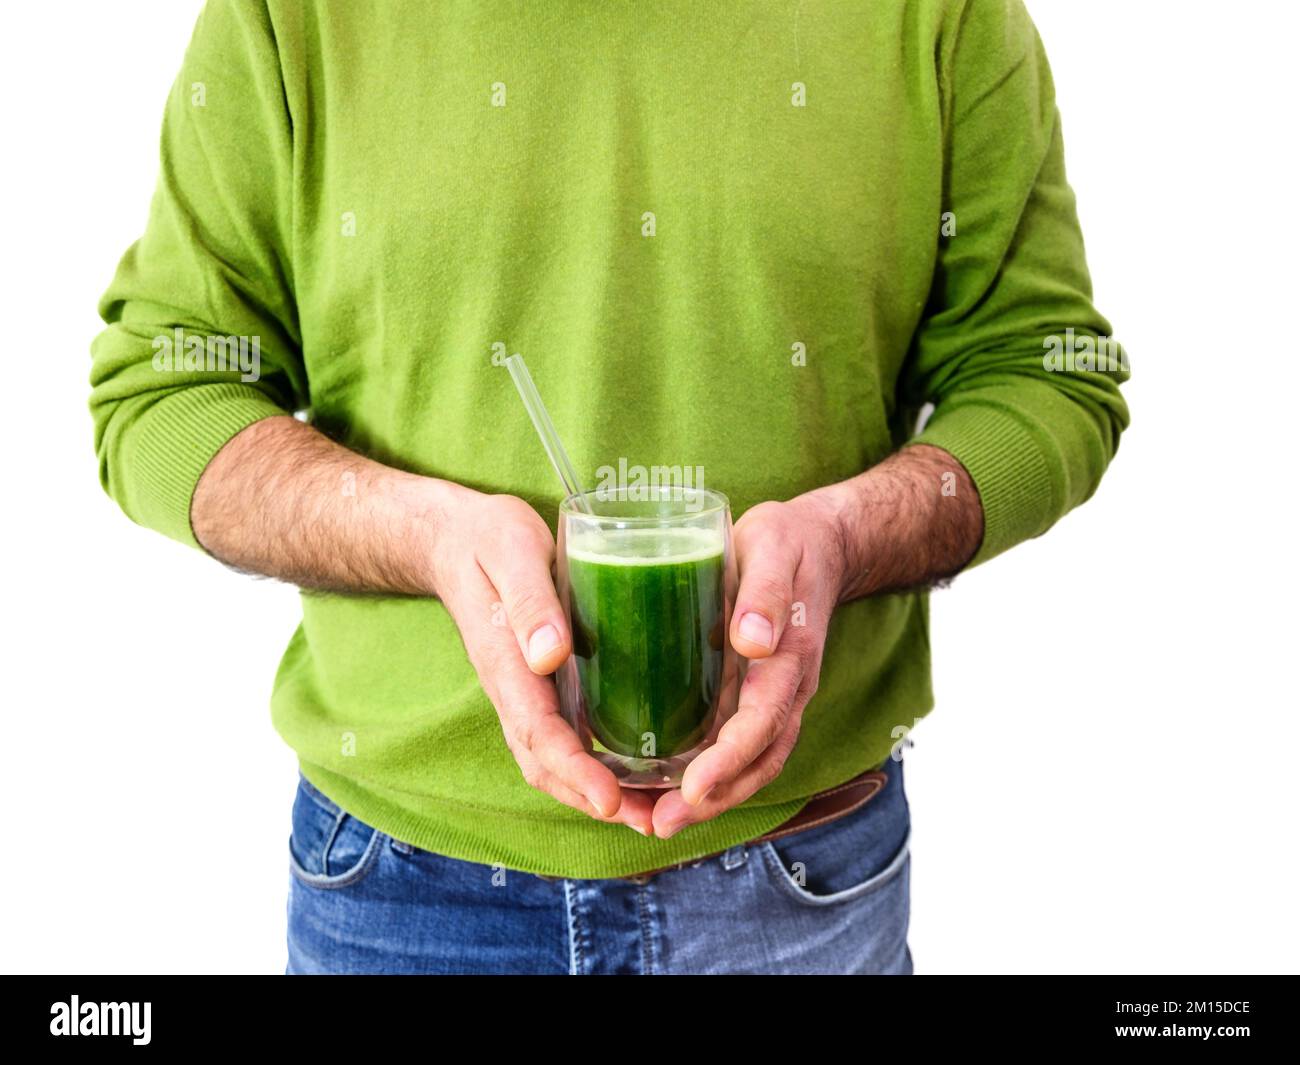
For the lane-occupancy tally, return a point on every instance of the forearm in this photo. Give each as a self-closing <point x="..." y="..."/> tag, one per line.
<point x="908" y="522"/>
<point x="283" y="500"/>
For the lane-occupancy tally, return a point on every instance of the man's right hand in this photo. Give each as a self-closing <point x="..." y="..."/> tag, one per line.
<point x="283" y="500"/>
<point x="492" y="563"/>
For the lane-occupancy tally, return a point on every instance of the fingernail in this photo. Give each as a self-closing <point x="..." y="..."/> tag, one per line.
<point x="756" y="629"/>
<point x="702" y="796"/>
<point x="670" y="832"/>
<point x="545" y="639"/>
<point x="604" y="811"/>
<point x="638" y="829"/>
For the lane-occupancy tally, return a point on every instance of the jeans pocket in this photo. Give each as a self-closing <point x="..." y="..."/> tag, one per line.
<point x="792" y="880"/>
<point x="328" y="847"/>
<point x="846" y="859"/>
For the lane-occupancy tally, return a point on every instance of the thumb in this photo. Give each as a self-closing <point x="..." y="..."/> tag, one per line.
<point x="533" y="610"/>
<point x="767" y="569"/>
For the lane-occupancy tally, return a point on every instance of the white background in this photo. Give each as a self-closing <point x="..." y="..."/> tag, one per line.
<point x="1108" y="783"/>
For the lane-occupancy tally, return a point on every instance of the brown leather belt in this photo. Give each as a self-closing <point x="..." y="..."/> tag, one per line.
<point x="823" y="808"/>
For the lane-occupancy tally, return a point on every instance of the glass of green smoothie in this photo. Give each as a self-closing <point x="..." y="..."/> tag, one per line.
<point x="648" y="578"/>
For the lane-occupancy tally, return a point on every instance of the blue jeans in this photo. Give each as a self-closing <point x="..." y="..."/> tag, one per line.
<point x="829" y="899"/>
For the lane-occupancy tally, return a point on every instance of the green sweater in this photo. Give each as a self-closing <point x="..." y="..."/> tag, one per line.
<point x="754" y="237"/>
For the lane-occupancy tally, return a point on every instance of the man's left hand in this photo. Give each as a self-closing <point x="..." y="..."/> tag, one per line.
<point x="791" y="562"/>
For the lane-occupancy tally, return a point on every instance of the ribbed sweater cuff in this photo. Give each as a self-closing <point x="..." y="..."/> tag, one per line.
<point x="174" y="442"/>
<point x="1010" y="469"/>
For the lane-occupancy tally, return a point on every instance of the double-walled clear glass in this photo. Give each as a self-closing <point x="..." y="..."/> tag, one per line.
<point x="648" y="580"/>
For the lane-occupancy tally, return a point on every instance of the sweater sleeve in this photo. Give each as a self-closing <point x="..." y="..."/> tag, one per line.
<point x="201" y="334"/>
<point x="1011" y="288"/>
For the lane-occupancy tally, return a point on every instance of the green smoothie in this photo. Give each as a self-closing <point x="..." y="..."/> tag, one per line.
<point x="647" y="610"/>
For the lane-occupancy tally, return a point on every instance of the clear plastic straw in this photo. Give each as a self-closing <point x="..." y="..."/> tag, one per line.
<point x="546" y="430"/>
